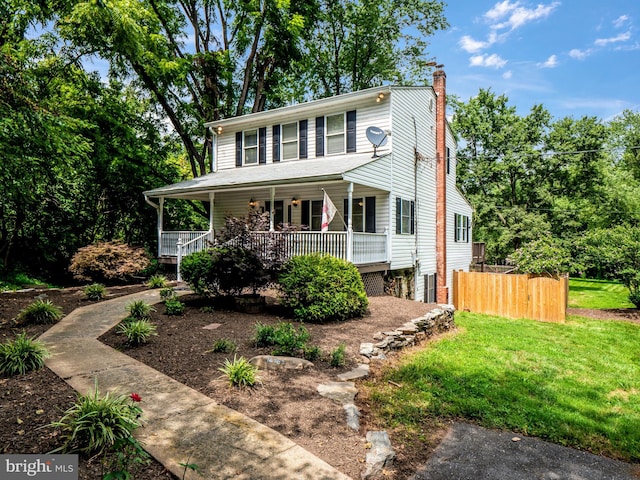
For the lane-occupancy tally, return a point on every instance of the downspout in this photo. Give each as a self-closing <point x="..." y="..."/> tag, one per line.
<point x="440" y="88"/>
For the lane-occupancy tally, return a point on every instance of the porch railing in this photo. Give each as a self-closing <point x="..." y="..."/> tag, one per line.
<point x="366" y="247"/>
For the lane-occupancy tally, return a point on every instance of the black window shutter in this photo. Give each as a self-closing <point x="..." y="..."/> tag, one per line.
<point x="448" y="159"/>
<point x="346" y="211"/>
<point x="370" y="214"/>
<point x="351" y="131"/>
<point x="262" y="145"/>
<point x="468" y="226"/>
<point x="456" y="237"/>
<point x="238" y="149"/>
<point x="276" y="143"/>
<point x="413" y="215"/>
<point x="319" y="136"/>
<point x="302" y="146"/>
<point x="305" y="218"/>
<point x="398" y="215"/>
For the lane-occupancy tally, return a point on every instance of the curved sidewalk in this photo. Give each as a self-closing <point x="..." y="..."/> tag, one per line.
<point x="181" y="424"/>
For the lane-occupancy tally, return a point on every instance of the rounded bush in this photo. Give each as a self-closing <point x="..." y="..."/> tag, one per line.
<point x="223" y="271"/>
<point x="40" y="312"/>
<point x="21" y="355"/>
<point x="173" y="307"/>
<point x="108" y="262"/>
<point x="322" y="288"/>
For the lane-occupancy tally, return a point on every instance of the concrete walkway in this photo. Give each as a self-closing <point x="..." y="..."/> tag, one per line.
<point x="181" y="425"/>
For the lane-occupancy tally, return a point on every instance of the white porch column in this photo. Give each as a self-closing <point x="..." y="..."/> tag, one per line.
<point x="211" y="199"/>
<point x="350" y="222"/>
<point x="272" y="210"/>
<point x="160" y="223"/>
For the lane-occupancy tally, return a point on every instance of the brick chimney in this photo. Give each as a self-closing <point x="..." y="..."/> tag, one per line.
<point x="440" y="88"/>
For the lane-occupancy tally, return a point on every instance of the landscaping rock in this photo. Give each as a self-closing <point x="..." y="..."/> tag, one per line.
<point x="360" y="372"/>
<point x="366" y="349"/>
<point x="341" y="392"/>
<point x="380" y="455"/>
<point x="271" y="362"/>
<point x="353" y="416"/>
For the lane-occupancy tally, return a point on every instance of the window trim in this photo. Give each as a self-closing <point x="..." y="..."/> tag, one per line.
<point x="327" y="135"/>
<point x="246" y="147"/>
<point x="283" y="142"/>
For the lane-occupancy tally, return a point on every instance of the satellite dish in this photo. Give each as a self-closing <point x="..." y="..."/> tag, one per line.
<point x="377" y="137"/>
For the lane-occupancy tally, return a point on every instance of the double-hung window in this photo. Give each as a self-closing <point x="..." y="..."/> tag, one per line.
<point x="405" y="214"/>
<point x="250" y="147"/>
<point x="290" y="141"/>
<point x="335" y="134"/>
<point x="461" y="232"/>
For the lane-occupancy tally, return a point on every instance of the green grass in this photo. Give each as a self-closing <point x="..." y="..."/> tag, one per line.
<point x="586" y="293"/>
<point x="575" y="384"/>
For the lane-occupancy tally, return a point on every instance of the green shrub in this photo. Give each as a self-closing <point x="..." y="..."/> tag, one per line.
<point x="108" y="262"/>
<point x="224" y="345"/>
<point x="289" y="340"/>
<point x="95" y="291"/>
<point x="140" y="309"/>
<point x="321" y="288"/>
<point x="240" y="372"/>
<point x="263" y="336"/>
<point x="137" y="331"/>
<point x="338" y="356"/>
<point x="174" y="307"/>
<point x="40" y="312"/>
<point x="21" y="355"/>
<point x="94" y="424"/>
<point x="157" y="281"/>
<point x="168" y="293"/>
<point x="634" y="297"/>
<point x="311" y="353"/>
<point x="223" y="271"/>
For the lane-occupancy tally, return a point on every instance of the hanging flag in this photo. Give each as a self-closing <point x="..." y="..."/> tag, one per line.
<point x="328" y="212"/>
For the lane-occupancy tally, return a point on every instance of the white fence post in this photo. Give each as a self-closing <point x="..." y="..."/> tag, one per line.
<point x="179" y="261"/>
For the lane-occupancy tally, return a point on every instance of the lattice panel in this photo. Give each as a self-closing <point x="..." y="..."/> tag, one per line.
<point x="373" y="283"/>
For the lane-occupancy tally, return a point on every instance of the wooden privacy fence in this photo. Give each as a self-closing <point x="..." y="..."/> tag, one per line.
<point x="512" y="296"/>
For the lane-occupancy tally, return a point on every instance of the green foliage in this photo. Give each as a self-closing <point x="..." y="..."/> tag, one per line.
<point x="322" y="288"/>
<point x="173" y="307"/>
<point x="570" y="383"/>
<point x="95" y="291"/>
<point x="590" y="293"/>
<point x="21" y="355"/>
<point x="311" y="353"/>
<point x="95" y="424"/>
<point x="168" y="293"/>
<point x="108" y="262"/>
<point x="224" y="345"/>
<point x="263" y="336"/>
<point x="240" y="373"/>
<point x="137" y="331"/>
<point x="157" y="281"/>
<point x="223" y="271"/>
<point x="40" y="312"/>
<point x="542" y="256"/>
<point x="125" y="455"/>
<point x="140" y="309"/>
<point x="338" y="356"/>
<point x="285" y="337"/>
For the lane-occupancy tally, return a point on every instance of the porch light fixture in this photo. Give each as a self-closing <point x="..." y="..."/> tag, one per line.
<point x="380" y="97"/>
<point x="295" y="202"/>
<point x="253" y="203"/>
<point x="219" y="129"/>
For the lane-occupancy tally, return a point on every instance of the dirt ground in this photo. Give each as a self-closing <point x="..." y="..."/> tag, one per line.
<point x="286" y="401"/>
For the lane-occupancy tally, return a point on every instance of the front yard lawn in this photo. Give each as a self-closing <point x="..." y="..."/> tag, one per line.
<point x="588" y="293"/>
<point x="575" y="384"/>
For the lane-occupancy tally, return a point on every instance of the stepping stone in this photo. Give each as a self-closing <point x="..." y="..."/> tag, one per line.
<point x="353" y="416"/>
<point x="380" y="455"/>
<point x="341" y="392"/>
<point x="366" y="349"/>
<point x="273" y="362"/>
<point x="212" y="326"/>
<point x="360" y="372"/>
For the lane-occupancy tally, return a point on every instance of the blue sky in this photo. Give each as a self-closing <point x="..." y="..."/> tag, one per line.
<point x="575" y="57"/>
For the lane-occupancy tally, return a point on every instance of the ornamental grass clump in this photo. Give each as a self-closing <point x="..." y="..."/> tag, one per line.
<point x="137" y="331"/>
<point x="95" y="424"/>
<point x="157" y="281"/>
<point x="240" y="373"/>
<point x="95" y="291"/>
<point x="223" y="345"/>
<point x="21" y="355"/>
<point x="140" y="309"/>
<point x="40" y="312"/>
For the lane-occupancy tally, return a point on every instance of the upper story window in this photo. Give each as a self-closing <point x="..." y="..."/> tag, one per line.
<point x="335" y="134"/>
<point x="251" y="147"/>
<point x="290" y="141"/>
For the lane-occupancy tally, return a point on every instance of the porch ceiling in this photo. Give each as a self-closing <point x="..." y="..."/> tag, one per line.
<point x="283" y="173"/>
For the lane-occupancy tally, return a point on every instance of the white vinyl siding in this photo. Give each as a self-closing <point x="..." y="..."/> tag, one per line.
<point x="335" y="135"/>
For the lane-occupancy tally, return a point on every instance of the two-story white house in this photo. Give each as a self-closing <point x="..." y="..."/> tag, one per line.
<point x="397" y="209"/>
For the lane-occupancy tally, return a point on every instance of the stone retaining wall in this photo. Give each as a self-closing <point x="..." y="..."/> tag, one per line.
<point x="436" y="321"/>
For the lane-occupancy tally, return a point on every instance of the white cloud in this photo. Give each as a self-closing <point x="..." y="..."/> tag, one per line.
<point x="579" y="54"/>
<point x="623" y="37"/>
<point x="515" y="15"/>
<point x="470" y="45"/>
<point x="551" y="62"/>
<point x="492" y="61"/>
<point x="507" y="75"/>
<point x="620" y="21"/>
